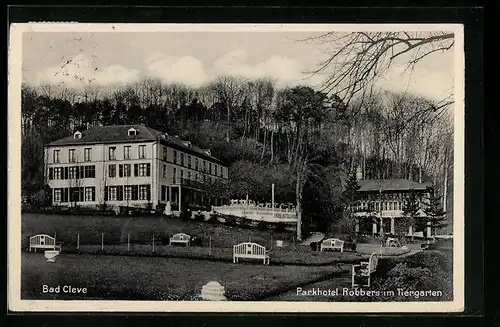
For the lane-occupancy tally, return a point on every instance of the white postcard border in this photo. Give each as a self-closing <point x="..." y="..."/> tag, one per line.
<point x="14" y="179"/>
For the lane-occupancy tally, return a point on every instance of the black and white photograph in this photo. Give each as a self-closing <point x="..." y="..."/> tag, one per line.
<point x="236" y="167"/>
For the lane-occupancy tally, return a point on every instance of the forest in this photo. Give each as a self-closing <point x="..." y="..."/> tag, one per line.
<point x="307" y="142"/>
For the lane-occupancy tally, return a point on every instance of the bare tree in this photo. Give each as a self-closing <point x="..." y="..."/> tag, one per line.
<point x="357" y="59"/>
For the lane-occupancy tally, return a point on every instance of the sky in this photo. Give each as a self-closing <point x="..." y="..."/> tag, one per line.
<point x="195" y="58"/>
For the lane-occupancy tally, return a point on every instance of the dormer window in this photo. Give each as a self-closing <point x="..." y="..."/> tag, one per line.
<point x="208" y="152"/>
<point x="132" y="132"/>
<point x="188" y="144"/>
<point x="77" y="135"/>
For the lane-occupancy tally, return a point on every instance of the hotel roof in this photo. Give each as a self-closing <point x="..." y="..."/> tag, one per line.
<point x="119" y="134"/>
<point x="371" y="185"/>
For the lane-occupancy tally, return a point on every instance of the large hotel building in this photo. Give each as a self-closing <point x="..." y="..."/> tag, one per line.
<point x="132" y="166"/>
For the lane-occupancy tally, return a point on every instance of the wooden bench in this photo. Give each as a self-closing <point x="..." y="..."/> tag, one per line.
<point x="45" y="242"/>
<point x="250" y="250"/>
<point x="332" y="244"/>
<point x="180" y="238"/>
<point x="364" y="271"/>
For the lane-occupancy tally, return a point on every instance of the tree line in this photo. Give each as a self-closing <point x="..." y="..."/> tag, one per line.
<point x="305" y="141"/>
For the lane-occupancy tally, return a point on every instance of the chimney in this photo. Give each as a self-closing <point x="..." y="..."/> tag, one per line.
<point x="359" y="174"/>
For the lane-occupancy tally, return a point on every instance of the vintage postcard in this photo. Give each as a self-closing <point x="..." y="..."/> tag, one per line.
<point x="236" y="168"/>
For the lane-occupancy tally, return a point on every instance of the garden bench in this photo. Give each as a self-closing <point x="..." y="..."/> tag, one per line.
<point x="43" y="241"/>
<point x="332" y="244"/>
<point x="364" y="271"/>
<point x="180" y="238"/>
<point x="248" y="250"/>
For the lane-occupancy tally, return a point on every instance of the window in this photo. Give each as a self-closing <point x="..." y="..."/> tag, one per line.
<point x="57" y="159"/>
<point x="112" y="193"/>
<point x="112" y="170"/>
<point x="163" y="193"/>
<point x="165" y="153"/>
<point x="72" y="157"/>
<point x="126" y="152"/>
<point x="182" y="174"/>
<point x="128" y="193"/>
<point x="144" y="192"/>
<point x="196" y="164"/>
<point x="120" y="170"/>
<point x="210" y="167"/>
<point x="144" y="169"/>
<point x="58" y="173"/>
<point x="189" y="161"/>
<point x="112" y="155"/>
<point x="90" y="194"/>
<point x="175" y="157"/>
<point x="76" y="194"/>
<point x="215" y="169"/>
<point x="132" y="132"/>
<point x="119" y="193"/>
<point x="65" y="194"/>
<point x="142" y="151"/>
<point x="87" y="154"/>
<point x="221" y="171"/>
<point x="90" y="171"/>
<point x="57" y="195"/>
<point x="72" y="172"/>
<point x="135" y="192"/>
<point x="189" y="175"/>
<point x="164" y="171"/>
<point x="182" y="159"/>
<point x="51" y="173"/>
<point x="127" y="171"/>
<point x="175" y="173"/>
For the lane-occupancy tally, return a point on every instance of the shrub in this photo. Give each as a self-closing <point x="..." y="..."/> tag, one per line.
<point x="196" y="241"/>
<point x="103" y="207"/>
<point x="186" y="215"/>
<point x="280" y="228"/>
<point x="262" y="226"/>
<point x="230" y="221"/>
<point x="214" y="219"/>
<point x="199" y="217"/>
<point x="243" y="223"/>
<point x="160" y="207"/>
<point x="422" y="271"/>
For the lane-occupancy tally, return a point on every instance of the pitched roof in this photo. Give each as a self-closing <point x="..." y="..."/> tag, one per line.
<point x="370" y="185"/>
<point x="119" y="134"/>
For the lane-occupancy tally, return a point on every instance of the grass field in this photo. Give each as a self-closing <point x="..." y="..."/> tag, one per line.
<point x="141" y="230"/>
<point x="155" y="278"/>
<point x="278" y="256"/>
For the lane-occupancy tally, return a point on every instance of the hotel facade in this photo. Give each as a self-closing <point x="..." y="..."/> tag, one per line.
<point x="130" y="166"/>
<point x="380" y="206"/>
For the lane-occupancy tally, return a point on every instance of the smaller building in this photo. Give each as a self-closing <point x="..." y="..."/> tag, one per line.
<point x="380" y="206"/>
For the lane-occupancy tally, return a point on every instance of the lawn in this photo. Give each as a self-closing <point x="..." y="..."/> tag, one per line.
<point x="158" y="278"/>
<point x="279" y="256"/>
<point x="141" y="230"/>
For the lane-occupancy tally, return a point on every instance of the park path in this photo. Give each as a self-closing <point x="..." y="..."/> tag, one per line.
<point x="325" y="291"/>
<point x="315" y="237"/>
